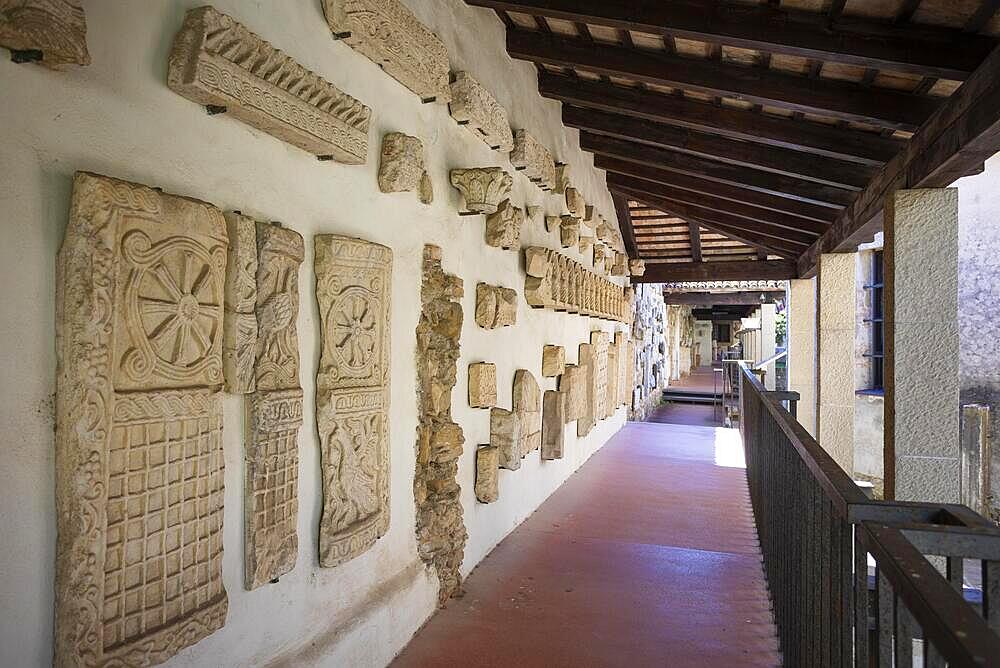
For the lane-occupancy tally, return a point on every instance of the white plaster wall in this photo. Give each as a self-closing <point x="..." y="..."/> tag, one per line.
<point x="703" y="341"/>
<point x="117" y="117"/>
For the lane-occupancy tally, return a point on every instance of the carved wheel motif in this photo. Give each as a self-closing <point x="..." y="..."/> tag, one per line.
<point x="174" y="297"/>
<point x="353" y="325"/>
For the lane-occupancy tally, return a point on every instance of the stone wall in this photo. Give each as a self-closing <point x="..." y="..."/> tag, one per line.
<point x="652" y="366"/>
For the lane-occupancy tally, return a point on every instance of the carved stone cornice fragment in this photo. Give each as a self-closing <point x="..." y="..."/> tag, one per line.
<point x="475" y="107"/>
<point x="50" y="32"/>
<point x="401" y="167"/>
<point x="534" y="159"/>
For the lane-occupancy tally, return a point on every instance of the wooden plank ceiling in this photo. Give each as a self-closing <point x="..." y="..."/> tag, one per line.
<point x="757" y="131"/>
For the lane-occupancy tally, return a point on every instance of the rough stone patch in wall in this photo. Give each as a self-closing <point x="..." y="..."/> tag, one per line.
<point x="140" y="300"/>
<point x="505" y="435"/>
<point x="474" y="107"/>
<point x="647" y="363"/>
<point x="503" y="227"/>
<point x="274" y="412"/>
<point x="482" y="385"/>
<point x="218" y="63"/>
<point x="588" y="365"/>
<point x="440" y="527"/>
<point x="553" y="361"/>
<point x="487" y="474"/>
<point x="553" y="424"/>
<point x="50" y="32"/>
<point x="391" y="37"/>
<point x="482" y="188"/>
<point x="496" y="306"/>
<point x="401" y="167"/>
<point x="239" y="347"/>
<point x="353" y="281"/>
<point x="527" y="404"/>
<point x="557" y="282"/>
<point x="534" y="159"/>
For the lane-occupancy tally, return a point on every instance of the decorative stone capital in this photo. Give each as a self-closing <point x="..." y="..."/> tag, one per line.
<point x="636" y="267"/>
<point x="482" y="187"/>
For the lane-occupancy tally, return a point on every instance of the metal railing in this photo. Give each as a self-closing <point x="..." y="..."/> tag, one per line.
<point x="820" y="534"/>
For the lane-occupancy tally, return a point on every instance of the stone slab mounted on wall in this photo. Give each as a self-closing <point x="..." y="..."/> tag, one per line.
<point x="534" y="159"/>
<point x="487" y="474"/>
<point x="475" y="107"/>
<point x="353" y="282"/>
<point x="483" y="188"/>
<point x="557" y="282"/>
<point x="553" y="424"/>
<point x="505" y="436"/>
<point x="599" y="344"/>
<point x="553" y="361"/>
<point x="527" y="404"/>
<point x="50" y="32"/>
<point x="496" y="306"/>
<point x="482" y="385"/>
<point x="218" y="63"/>
<point x="391" y="37"/>
<point x="273" y="410"/>
<point x="503" y="227"/>
<point x="572" y="383"/>
<point x="140" y="298"/>
<point x="440" y="527"/>
<point x="401" y="167"/>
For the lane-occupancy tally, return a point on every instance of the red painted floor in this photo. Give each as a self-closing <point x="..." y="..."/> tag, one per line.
<point x="647" y="556"/>
<point x="679" y="412"/>
<point x="701" y="379"/>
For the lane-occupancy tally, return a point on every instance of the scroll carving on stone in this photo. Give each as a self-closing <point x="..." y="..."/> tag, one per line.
<point x="441" y="532"/>
<point x="527" y="404"/>
<point x="140" y="301"/>
<point x="239" y="347"/>
<point x="496" y="306"/>
<point x="50" y="32"/>
<point x="636" y="267"/>
<point x="401" y="167"/>
<point x="483" y="188"/>
<point x="474" y="107"/>
<point x="599" y="346"/>
<point x="534" y="159"/>
<point x="503" y="228"/>
<point x="482" y="385"/>
<point x="505" y="435"/>
<point x="218" y="63"/>
<point x="487" y="474"/>
<point x="353" y="281"/>
<point x="557" y="282"/>
<point x="391" y="36"/>
<point x="553" y="424"/>
<point x="274" y="412"/>
<point x="588" y="365"/>
<point x="575" y="202"/>
<point x="553" y="361"/>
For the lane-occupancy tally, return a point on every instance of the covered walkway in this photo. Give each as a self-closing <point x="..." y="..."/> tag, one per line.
<point x="647" y="556"/>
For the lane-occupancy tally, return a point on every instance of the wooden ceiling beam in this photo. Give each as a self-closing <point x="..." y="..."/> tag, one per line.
<point x="826" y="97"/>
<point x="714" y="204"/>
<point x="955" y="142"/>
<point x="694" y="231"/>
<point x="833" y="172"/>
<point x="868" y="148"/>
<point x="750" y="270"/>
<point x="925" y="51"/>
<point x="722" y="191"/>
<point x="743" y="298"/>
<point x="625" y="225"/>
<point x="754" y="179"/>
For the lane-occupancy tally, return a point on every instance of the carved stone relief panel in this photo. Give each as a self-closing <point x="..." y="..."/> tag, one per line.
<point x="527" y="404"/>
<point x="553" y="361"/>
<point x="50" y="32"/>
<point x="611" y="396"/>
<point x="588" y="365"/>
<point x="482" y="385"/>
<point x="569" y="231"/>
<point x="503" y="227"/>
<point x="474" y="107"/>
<point x="274" y="412"/>
<point x="536" y="160"/>
<point x="505" y="435"/>
<point x="636" y="267"/>
<point x="575" y="202"/>
<point x="496" y="306"/>
<point x="391" y="36"/>
<point x="401" y="167"/>
<point x="553" y="424"/>
<point x="239" y="346"/>
<point x="218" y="63"/>
<point x="440" y="529"/>
<point x="487" y="474"/>
<point x="599" y="345"/>
<point x="483" y="188"/>
<point x="562" y="178"/>
<point x="571" y="384"/>
<point x="139" y="328"/>
<point x="621" y="371"/>
<point x="353" y="281"/>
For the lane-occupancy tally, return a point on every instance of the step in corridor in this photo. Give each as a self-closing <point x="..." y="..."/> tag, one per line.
<point x="647" y="556"/>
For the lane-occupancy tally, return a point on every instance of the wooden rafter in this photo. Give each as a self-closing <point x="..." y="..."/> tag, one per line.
<point x="744" y="298"/>
<point x="767" y="28"/>
<point x="774" y="270"/>
<point x="694" y="230"/>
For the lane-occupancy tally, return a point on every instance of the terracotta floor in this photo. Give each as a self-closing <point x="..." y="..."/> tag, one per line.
<point x="647" y="556"/>
<point x="679" y="412"/>
<point x="700" y="379"/>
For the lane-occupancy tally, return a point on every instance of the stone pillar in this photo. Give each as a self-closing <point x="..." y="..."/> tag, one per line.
<point x="836" y="286"/>
<point x="802" y="349"/>
<point x="922" y="381"/>
<point x="767" y="345"/>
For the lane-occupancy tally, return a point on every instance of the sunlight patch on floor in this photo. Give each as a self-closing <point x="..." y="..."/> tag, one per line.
<point x="729" y="449"/>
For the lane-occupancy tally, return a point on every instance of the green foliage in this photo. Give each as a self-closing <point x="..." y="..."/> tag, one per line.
<point x="780" y="328"/>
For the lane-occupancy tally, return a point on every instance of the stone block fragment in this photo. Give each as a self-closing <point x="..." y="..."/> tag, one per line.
<point x="527" y="404"/>
<point x="50" y="32"/>
<point x="620" y="267"/>
<point x="505" y="435"/>
<point x="553" y="424"/>
<point x="482" y="385"/>
<point x="534" y="159"/>
<point x="562" y="178"/>
<point x="503" y="227"/>
<point x="496" y="306"/>
<point x="483" y="188"/>
<point x="487" y="474"/>
<point x="569" y="231"/>
<point x="636" y="267"/>
<point x="239" y="342"/>
<point x="588" y="364"/>
<point x="575" y="202"/>
<point x="401" y="167"/>
<point x="474" y="107"/>
<point x="218" y="63"/>
<point x="553" y="361"/>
